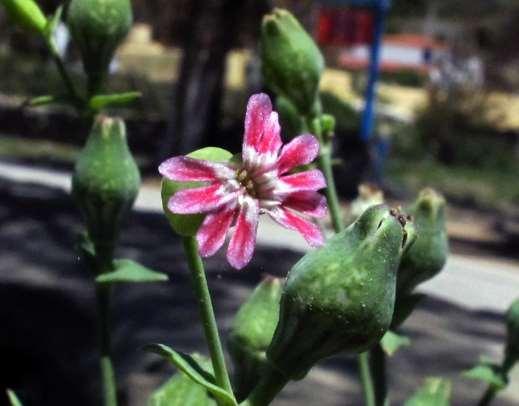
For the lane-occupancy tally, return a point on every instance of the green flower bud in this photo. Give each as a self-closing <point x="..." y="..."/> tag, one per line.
<point x="27" y="14"/>
<point x="98" y="27"/>
<point x="512" y="341"/>
<point x="106" y="180"/>
<point x="291" y="62"/>
<point x="291" y="121"/>
<point x="187" y="225"/>
<point x="427" y="256"/>
<point x="251" y="333"/>
<point x="341" y="296"/>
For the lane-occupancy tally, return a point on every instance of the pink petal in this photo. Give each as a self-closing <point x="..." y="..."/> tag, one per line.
<point x="311" y="232"/>
<point x="241" y="246"/>
<point x="259" y="108"/>
<point x="300" y="151"/>
<point x="309" y="203"/>
<point x="270" y="141"/>
<point x="200" y="200"/>
<point x="184" y="169"/>
<point x="300" y="182"/>
<point x="213" y="231"/>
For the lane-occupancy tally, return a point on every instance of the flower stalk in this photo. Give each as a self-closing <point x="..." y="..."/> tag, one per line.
<point x="271" y="384"/>
<point x="107" y="370"/>
<point x="325" y="164"/>
<point x="205" y="304"/>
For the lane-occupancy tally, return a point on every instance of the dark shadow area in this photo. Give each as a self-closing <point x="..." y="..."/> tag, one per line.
<point x="48" y="339"/>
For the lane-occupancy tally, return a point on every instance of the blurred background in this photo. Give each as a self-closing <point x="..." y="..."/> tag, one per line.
<point x="447" y="117"/>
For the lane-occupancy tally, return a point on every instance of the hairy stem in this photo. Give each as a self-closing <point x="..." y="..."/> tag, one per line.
<point x="207" y="313"/>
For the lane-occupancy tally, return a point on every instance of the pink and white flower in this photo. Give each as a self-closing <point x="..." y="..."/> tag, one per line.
<point x="236" y="194"/>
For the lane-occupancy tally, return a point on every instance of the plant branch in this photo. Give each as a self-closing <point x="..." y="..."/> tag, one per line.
<point x="107" y="369"/>
<point x="207" y="313"/>
<point x="366" y="379"/>
<point x="325" y="163"/>
<point x="267" y="389"/>
<point x="67" y="81"/>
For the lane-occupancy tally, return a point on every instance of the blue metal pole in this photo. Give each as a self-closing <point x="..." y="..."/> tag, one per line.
<point x="368" y="116"/>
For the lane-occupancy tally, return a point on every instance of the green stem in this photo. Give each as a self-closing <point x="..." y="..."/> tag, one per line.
<point x="67" y="81"/>
<point x="366" y="379"/>
<point x="488" y="396"/>
<point x="107" y="369"/>
<point x="492" y="391"/>
<point x="270" y="385"/>
<point x="325" y="163"/>
<point x="207" y="313"/>
<point x="377" y="362"/>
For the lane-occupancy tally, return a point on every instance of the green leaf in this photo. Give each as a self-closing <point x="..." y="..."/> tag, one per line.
<point x="13" y="399"/>
<point x="189" y="366"/>
<point x="40" y="101"/>
<point x="52" y="23"/>
<point x="187" y="225"/>
<point x="434" y="392"/>
<point x="101" y="101"/>
<point x="27" y="14"/>
<point x="128" y="271"/>
<point x="488" y="373"/>
<point x="180" y="390"/>
<point x="392" y="342"/>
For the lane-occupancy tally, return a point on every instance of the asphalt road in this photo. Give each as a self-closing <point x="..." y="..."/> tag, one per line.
<point x="461" y="320"/>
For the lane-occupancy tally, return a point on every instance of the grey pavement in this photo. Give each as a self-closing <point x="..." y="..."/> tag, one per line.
<point x="472" y="282"/>
<point x="460" y="321"/>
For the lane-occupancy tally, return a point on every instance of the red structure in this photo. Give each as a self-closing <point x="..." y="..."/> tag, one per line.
<point x="344" y="26"/>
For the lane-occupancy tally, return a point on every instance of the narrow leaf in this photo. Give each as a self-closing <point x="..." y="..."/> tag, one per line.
<point x="488" y="373"/>
<point x="189" y="366"/>
<point x="13" y="399"/>
<point x="434" y="392"/>
<point x="40" y="101"/>
<point x="101" y="101"/>
<point x="52" y="23"/>
<point x="128" y="271"/>
<point x="392" y="342"/>
<point x="180" y="390"/>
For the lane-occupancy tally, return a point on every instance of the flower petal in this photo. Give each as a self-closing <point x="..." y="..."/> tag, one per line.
<point x="213" y="231"/>
<point x="310" y="231"/>
<point x="301" y="181"/>
<point x="308" y="202"/>
<point x="200" y="200"/>
<point x="300" y="151"/>
<point x="241" y="246"/>
<point x="270" y="140"/>
<point x="185" y="169"/>
<point x="259" y="108"/>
